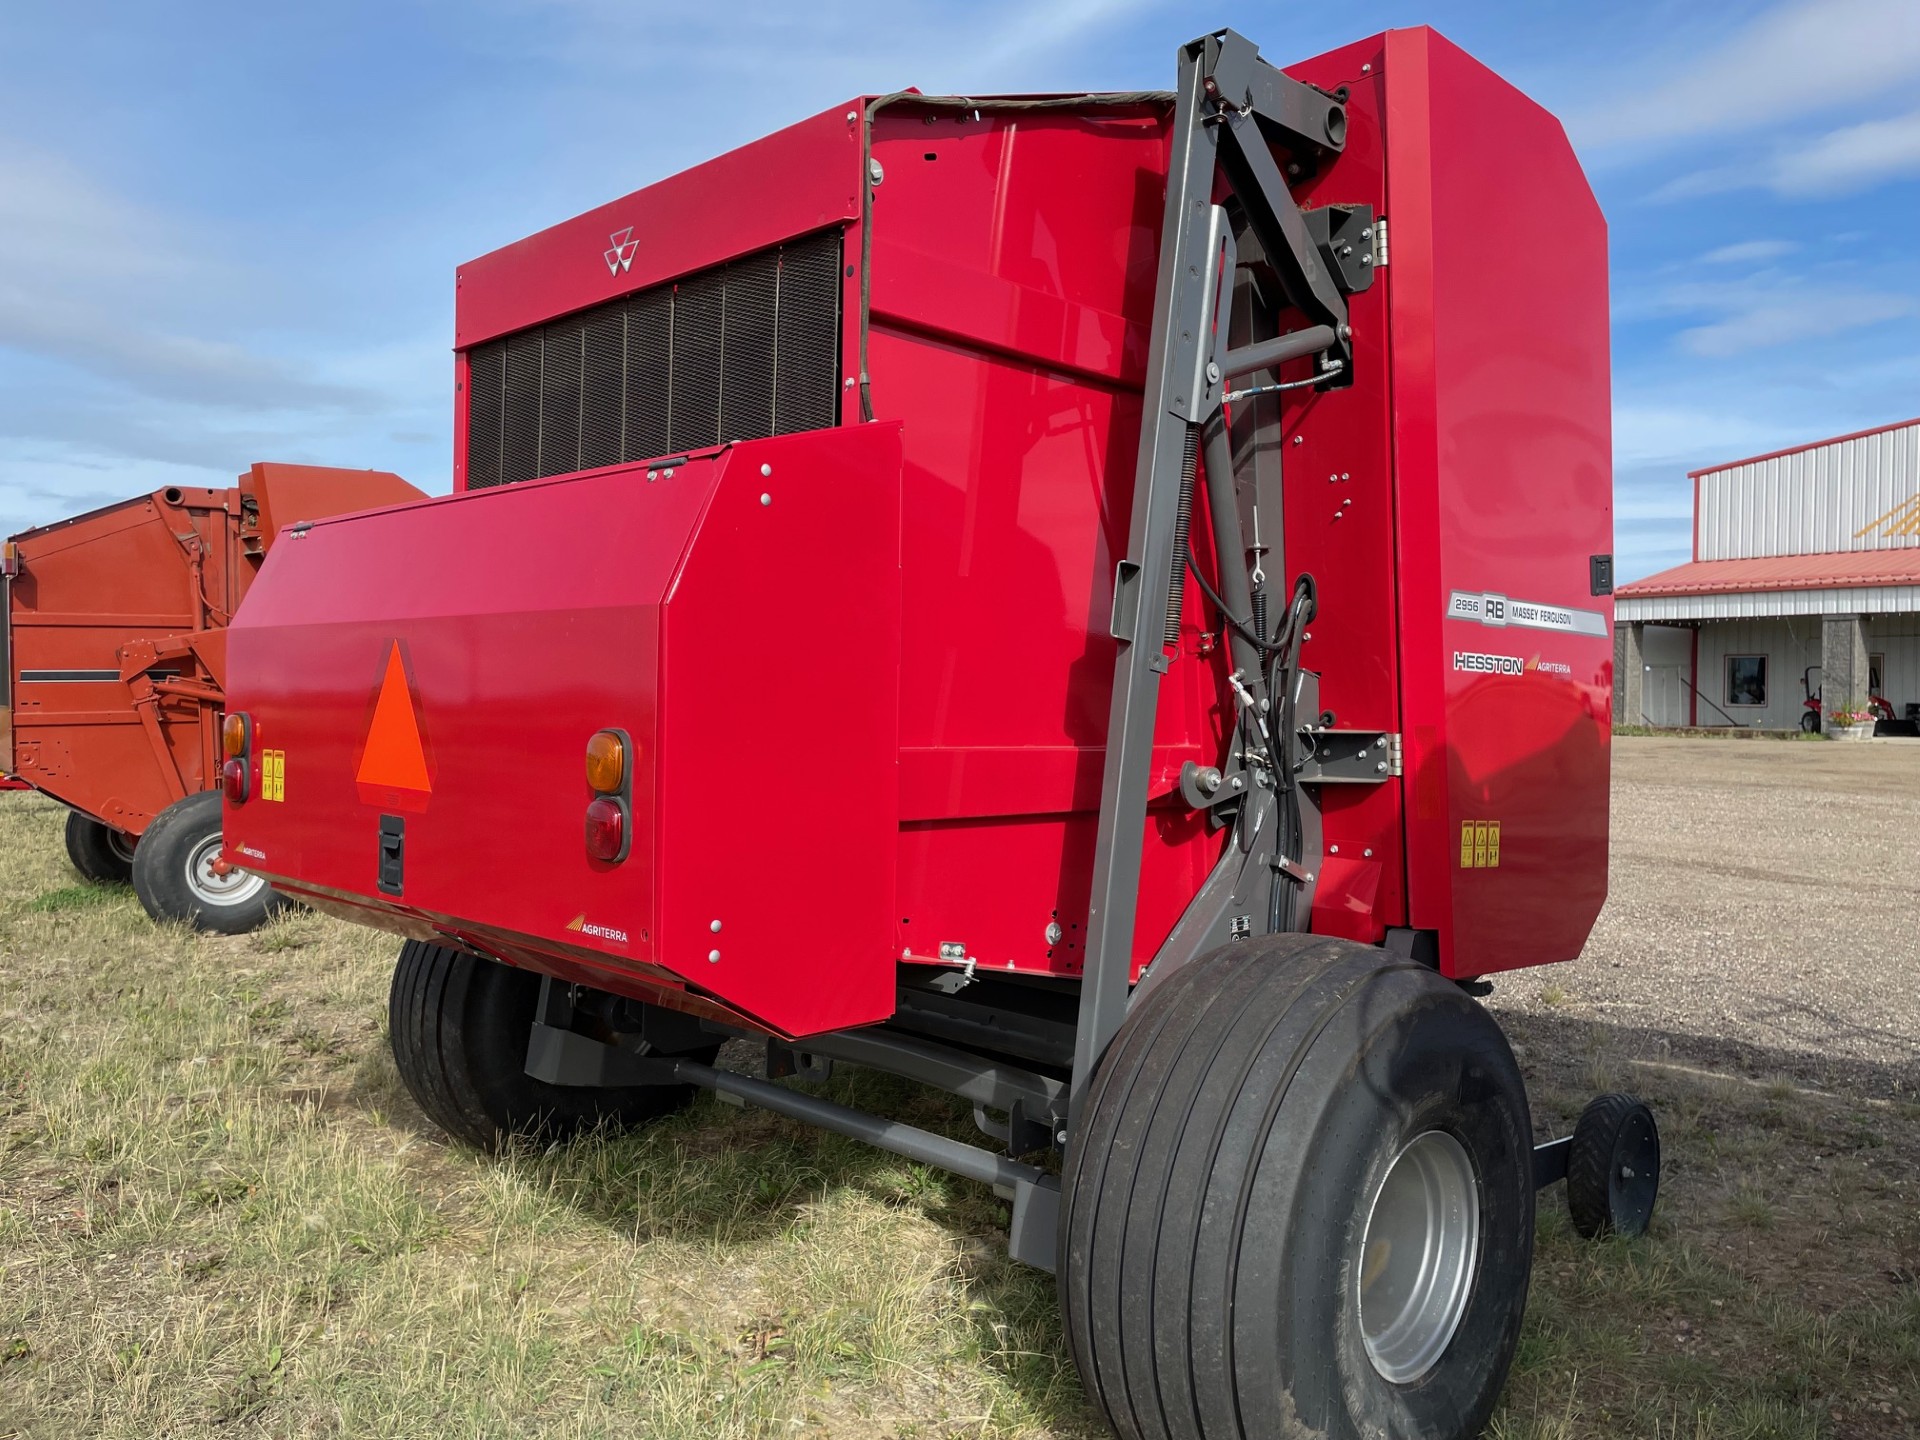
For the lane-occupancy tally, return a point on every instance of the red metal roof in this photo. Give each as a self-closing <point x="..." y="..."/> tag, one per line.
<point x="1846" y="571"/>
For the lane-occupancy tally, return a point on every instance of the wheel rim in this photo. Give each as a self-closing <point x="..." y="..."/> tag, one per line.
<point x="1417" y="1256"/>
<point x="121" y="844"/>
<point x="210" y="887"/>
<point x="1634" y="1177"/>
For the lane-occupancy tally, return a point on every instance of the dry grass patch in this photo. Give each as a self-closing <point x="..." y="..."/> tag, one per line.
<point x="221" y="1215"/>
<point x="1776" y="1297"/>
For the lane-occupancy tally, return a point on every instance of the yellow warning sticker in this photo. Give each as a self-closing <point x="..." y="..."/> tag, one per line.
<point x="273" y="775"/>
<point x="1479" y="844"/>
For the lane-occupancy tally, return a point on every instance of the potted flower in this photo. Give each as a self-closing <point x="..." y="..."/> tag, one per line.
<point x="1851" y="721"/>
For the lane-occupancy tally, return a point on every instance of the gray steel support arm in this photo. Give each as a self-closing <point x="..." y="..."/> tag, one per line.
<point x="1224" y="96"/>
<point x="1255" y="98"/>
<point x="1182" y="326"/>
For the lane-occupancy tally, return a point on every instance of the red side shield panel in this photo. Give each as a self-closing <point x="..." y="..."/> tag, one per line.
<point x="444" y="664"/>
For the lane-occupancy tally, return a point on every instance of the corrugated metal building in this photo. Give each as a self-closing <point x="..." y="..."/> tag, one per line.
<point x="1805" y="576"/>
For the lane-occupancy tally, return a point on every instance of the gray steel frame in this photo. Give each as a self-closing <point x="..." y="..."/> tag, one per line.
<point x="1226" y="104"/>
<point x="1035" y="1104"/>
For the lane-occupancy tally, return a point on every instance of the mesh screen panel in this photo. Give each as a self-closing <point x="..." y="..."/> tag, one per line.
<point x="520" y="408"/>
<point x="602" y="375"/>
<point x="806" y="395"/>
<point x="486" y="378"/>
<point x="746" y="328"/>
<point x="739" y="352"/>
<point x="699" y="303"/>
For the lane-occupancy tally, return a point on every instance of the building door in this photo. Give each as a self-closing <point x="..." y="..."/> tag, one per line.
<point x="1663" y="696"/>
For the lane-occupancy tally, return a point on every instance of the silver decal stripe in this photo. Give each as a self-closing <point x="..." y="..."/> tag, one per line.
<point x="1500" y="611"/>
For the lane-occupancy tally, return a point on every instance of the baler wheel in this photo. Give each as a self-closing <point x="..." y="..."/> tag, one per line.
<point x="102" y="854"/>
<point x="1613" y="1167"/>
<point x="177" y="874"/>
<point x="1300" y="1201"/>
<point x="459" y="1026"/>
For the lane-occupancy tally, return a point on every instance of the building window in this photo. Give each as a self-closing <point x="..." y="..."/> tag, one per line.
<point x="1746" y="680"/>
<point x="1876" y="666"/>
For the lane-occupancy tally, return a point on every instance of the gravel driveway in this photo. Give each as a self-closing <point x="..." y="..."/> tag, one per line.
<point x="1763" y="912"/>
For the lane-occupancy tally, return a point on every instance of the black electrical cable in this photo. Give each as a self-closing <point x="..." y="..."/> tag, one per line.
<point x="1279" y="740"/>
<point x="1283" y="898"/>
<point x="1243" y="628"/>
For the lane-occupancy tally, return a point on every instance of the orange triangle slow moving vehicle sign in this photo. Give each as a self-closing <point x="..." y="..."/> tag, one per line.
<point x="393" y="770"/>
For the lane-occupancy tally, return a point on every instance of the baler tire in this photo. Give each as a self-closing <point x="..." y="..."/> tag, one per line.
<point x="1219" y="1200"/>
<point x="459" y="1026"/>
<point x="1810" y="722"/>
<point x="102" y="855"/>
<point x="1613" y="1167"/>
<point x="174" y="877"/>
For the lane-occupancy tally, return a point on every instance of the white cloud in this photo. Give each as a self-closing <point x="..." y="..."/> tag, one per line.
<point x="98" y="339"/>
<point x="1781" y="317"/>
<point x="1649" y="432"/>
<point x="139" y="349"/>
<point x="1668" y="502"/>
<point x="1796" y="60"/>
<point x="1717" y="180"/>
<point x="793" y="52"/>
<point x="1855" y="158"/>
<point x="1840" y="162"/>
<point x="120" y="293"/>
<point x="1750" y="252"/>
<point x="1719" y="317"/>
<point x="1025" y="33"/>
<point x="56" y="224"/>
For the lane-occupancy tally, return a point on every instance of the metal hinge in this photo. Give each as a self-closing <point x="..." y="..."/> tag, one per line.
<point x="1350" y="757"/>
<point x="1380" y="245"/>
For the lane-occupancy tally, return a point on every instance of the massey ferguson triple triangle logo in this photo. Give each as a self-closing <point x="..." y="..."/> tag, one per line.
<point x="620" y="257"/>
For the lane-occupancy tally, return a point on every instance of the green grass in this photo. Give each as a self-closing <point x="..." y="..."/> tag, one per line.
<point x="80" y="897"/>
<point x="220" y="1215"/>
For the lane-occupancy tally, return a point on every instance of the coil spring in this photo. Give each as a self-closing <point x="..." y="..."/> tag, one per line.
<point x="1182" y="523"/>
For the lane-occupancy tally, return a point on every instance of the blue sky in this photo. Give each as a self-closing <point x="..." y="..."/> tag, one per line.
<point x="228" y="232"/>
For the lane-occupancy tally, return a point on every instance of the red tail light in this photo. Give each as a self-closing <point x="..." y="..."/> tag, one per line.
<point x="607" y="829"/>
<point x="234" y="776"/>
